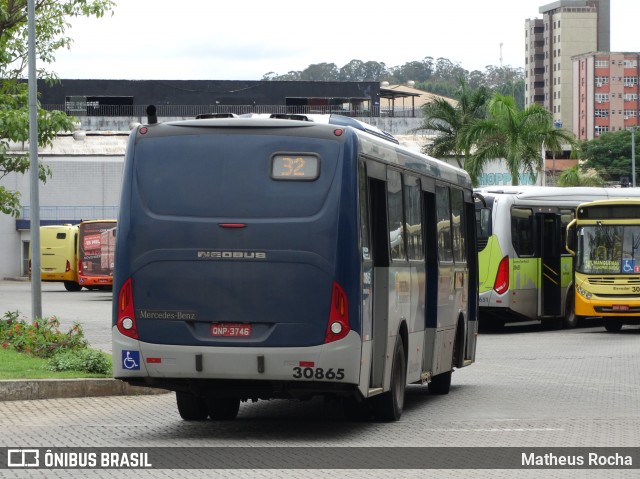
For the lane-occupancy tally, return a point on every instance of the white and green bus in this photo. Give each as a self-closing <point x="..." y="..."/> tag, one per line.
<point x="525" y="271"/>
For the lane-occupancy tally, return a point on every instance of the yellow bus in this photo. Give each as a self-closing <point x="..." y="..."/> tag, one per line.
<point x="59" y="255"/>
<point x="604" y="238"/>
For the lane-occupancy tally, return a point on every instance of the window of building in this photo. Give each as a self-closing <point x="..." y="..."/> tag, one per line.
<point x="600" y="129"/>
<point x="602" y="97"/>
<point x="601" y="113"/>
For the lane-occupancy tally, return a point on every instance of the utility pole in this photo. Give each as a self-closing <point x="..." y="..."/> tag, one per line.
<point x="36" y="278"/>
<point x="633" y="156"/>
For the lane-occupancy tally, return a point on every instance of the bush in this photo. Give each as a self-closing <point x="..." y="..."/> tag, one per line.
<point x="88" y="360"/>
<point x="66" y="351"/>
<point x="41" y="338"/>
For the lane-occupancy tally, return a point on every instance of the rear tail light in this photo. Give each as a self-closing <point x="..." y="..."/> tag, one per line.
<point x="338" y="326"/>
<point x="501" y="284"/>
<point x="126" y="318"/>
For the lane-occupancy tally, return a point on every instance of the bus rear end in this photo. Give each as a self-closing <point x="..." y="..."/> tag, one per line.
<point x="234" y="266"/>
<point x="58" y="255"/>
<point x="96" y="253"/>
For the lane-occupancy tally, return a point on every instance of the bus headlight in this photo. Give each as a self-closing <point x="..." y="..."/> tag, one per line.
<point x="584" y="293"/>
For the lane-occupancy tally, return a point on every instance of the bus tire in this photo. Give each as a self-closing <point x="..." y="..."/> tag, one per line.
<point x="72" y="286"/>
<point x="222" y="408"/>
<point x="388" y="406"/>
<point x="613" y="325"/>
<point x="570" y="319"/>
<point x="440" y="384"/>
<point x="191" y="407"/>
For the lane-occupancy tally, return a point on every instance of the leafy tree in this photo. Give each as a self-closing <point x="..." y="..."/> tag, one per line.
<point x="516" y="135"/>
<point x="51" y="27"/>
<point x="352" y="71"/>
<point x="450" y="121"/>
<point x="436" y="76"/>
<point x="610" y="154"/>
<point x="320" y="72"/>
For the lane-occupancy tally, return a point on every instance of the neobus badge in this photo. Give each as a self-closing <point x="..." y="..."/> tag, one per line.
<point x="232" y="255"/>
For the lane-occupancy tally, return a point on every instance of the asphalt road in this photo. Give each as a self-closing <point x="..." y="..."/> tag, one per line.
<point x="530" y="387"/>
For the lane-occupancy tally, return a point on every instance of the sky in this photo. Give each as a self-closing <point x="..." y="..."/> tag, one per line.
<point x="244" y="40"/>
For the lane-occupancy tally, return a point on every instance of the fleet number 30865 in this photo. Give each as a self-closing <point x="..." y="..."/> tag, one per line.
<point x="318" y="373"/>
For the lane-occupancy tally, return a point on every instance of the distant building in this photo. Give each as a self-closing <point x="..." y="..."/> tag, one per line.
<point x="567" y="28"/>
<point x="606" y="93"/>
<point x="176" y="98"/>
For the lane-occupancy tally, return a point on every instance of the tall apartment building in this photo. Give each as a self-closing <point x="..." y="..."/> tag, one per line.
<point x="605" y="93"/>
<point x="567" y="28"/>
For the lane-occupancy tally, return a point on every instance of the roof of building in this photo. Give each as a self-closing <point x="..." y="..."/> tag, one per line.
<point x="406" y="96"/>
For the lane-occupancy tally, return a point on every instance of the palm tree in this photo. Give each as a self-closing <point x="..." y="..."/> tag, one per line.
<point x="449" y="120"/>
<point x="573" y="177"/>
<point x="518" y="136"/>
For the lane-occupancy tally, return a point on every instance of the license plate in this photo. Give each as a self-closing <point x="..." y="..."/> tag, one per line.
<point x="620" y="307"/>
<point x="230" y="330"/>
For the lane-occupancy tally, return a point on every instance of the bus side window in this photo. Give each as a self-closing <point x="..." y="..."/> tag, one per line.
<point x="364" y="214"/>
<point x="443" y="224"/>
<point x="413" y="220"/>
<point x="565" y="218"/>
<point x="522" y="231"/>
<point x="459" y="226"/>
<point x="394" y="208"/>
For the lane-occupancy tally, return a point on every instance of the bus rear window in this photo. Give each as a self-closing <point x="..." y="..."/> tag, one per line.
<point x="232" y="176"/>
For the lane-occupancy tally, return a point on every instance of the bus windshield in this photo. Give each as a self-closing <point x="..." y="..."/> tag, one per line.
<point x="608" y="249"/>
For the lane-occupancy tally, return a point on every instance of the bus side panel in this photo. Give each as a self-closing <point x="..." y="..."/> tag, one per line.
<point x="523" y="286"/>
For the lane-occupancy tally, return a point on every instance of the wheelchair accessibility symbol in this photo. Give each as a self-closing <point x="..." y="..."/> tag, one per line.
<point x="131" y="360"/>
<point x="627" y="266"/>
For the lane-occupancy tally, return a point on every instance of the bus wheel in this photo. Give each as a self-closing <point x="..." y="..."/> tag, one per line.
<point x="570" y="319"/>
<point x="191" y="407"/>
<point x="72" y="286"/>
<point x="223" y="409"/>
<point x="388" y="406"/>
<point x="612" y="325"/>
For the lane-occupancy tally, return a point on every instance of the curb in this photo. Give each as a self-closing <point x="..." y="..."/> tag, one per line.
<point x="11" y="390"/>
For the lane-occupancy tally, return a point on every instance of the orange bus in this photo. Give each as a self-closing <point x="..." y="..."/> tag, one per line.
<point x="96" y="251"/>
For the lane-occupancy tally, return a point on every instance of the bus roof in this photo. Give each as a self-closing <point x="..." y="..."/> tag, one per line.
<point x="557" y="193"/>
<point x="378" y="146"/>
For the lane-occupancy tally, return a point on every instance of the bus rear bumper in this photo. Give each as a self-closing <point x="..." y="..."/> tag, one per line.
<point x="175" y="367"/>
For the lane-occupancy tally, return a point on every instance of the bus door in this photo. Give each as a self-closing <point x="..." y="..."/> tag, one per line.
<point x="550" y="247"/>
<point x="380" y="281"/>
